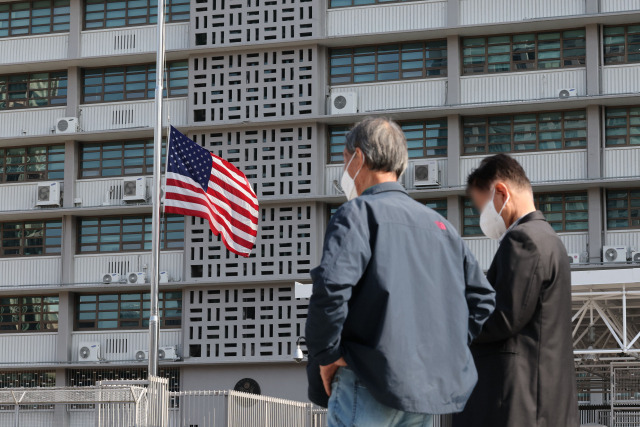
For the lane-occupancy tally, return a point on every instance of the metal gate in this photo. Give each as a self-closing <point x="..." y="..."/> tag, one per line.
<point x="625" y="395"/>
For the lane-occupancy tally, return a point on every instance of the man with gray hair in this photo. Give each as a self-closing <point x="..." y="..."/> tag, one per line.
<point x="396" y="300"/>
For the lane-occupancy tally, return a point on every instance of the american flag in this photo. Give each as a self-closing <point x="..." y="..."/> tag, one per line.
<point x="204" y="185"/>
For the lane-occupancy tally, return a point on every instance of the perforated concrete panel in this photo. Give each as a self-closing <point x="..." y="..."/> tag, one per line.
<point x="217" y="23"/>
<point x="243" y="323"/>
<point x="281" y="83"/>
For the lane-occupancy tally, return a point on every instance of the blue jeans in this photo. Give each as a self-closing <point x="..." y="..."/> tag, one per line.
<point x="351" y="405"/>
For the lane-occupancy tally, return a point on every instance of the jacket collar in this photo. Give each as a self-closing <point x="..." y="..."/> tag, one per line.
<point x="533" y="216"/>
<point x="385" y="187"/>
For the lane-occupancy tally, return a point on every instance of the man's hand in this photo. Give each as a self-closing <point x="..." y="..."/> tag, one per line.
<point x="327" y="372"/>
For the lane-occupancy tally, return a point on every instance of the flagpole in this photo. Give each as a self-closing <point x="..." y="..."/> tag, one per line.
<point x="154" y="318"/>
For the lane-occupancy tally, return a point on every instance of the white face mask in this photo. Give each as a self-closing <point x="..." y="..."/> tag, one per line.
<point x="349" y="184"/>
<point x="491" y="223"/>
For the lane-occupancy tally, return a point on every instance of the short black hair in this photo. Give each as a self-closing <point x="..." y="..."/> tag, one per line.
<point x="500" y="166"/>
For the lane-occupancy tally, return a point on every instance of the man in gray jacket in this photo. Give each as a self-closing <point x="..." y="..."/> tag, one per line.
<point x="524" y="354"/>
<point x="396" y="300"/>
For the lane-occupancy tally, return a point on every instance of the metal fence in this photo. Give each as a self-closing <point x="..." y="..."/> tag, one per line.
<point x="109" y="404"/>
<point x="625" y="395"/>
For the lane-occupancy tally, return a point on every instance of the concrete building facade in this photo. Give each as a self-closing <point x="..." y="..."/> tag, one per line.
<point x="273" y="87"/>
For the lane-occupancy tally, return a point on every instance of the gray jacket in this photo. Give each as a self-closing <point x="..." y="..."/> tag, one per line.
<point x="400" y="296"/>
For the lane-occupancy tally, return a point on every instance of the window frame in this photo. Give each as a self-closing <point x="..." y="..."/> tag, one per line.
<point x="128" y="95"/>
<point x="463" y="206"/>
<point x="165" y="244"/>
<point x="20" y="312"/>
<point x="512" y="133"/>
<point x="377" y="63"/>
<point x="512" y="67"/>
<point x="24" y="239"/>
<point x="424" y="122"/>
<point x="628" y="199"/>
<point x="537" y="201"/>
<point x="31" y="18"/>
<point x="119" y="309"/>
<point x="150" y="17"/>
<point x="625" y="53"/>
<point x="628" y="126"/>
<point x="24" y="164"/>
<point x="29" y="80"/>
<point x="375" y="2"/>
<point x="437" y="209"/>
<point x="146" y="165"/>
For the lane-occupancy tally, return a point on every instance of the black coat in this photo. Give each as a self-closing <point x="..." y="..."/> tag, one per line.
<point x="524" y="354"/>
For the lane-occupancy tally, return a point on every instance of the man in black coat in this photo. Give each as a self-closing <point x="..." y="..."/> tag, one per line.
<point x="524" y="354"/>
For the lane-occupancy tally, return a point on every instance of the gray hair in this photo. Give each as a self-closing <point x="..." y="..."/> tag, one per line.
<point x="382" y="142"/>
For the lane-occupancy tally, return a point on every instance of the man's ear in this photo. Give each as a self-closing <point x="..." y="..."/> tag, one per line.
<point x="502" y="191"/>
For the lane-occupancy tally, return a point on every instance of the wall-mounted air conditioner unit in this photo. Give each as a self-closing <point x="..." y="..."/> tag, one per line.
<point x="48" y="194"/>
<point x="635" y="257"/>
<point x="142" y="355"/>
<point x="168" y="353"/>
<point x="89" y="352"/>
<point x="574" y="258"/>
<point x="137" y="278"/>
<point x="164" y="277"/>
<point x="425" y="174"/>
<point x="134" y="189"/>
<point x="344" y="103"/>
<point x="111" y="278"/>
<point x="567" y="93"/>
<point x="67" y="125"/>
<point x="614" y="254"/>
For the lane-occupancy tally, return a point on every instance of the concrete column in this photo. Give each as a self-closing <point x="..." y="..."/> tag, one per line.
<point x="60" y="414"/>
<point x="74" y="91"/>
<point x="76" y="14"/>
<point x="453" y="13"/>
<point x="70" y="172"/>
<point x="596" y="225"/>
<point x="453" y="70"/>
<point x="592" y="7"/>
<point x="68" y="248"/>
<point x="454" y="145"/>
<point x="594" y="142"/>
<point x="454" y="212"/>
<point x="65" y="327"/>
<point x="593" y="62"/>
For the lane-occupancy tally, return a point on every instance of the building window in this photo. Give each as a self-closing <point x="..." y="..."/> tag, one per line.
<point x="132" y="83"/>
<point x="37" y="163"/>
<point x="29" y="314"/>
<point x="438" y="205"/>
<point x="88" y="377"/>
<point x="27" y="238"/>
<point x="470" y="219"/>
<point x="34" y="17"/>
<point x="127" y="13"/>
<point x="127" y="233"/>
<point x="129" y="158"/>
<point x="623" y="209"/>
<point x="415" y="60"/>
<point x="425" y="138"/>
<point x="621" y="45"/>
<point x="126" y="310"/>
<point x="525" y="132"/>
<point x="565" y="212"/>
<point x="523" y="52"/>
<point x="27" y="379"/>
<point x="622" y="126"/>
<point x="347" y="3"/>
<point x="33" y="90"/>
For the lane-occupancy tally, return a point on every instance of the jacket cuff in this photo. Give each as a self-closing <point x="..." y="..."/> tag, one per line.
<point x="327" y="357"/>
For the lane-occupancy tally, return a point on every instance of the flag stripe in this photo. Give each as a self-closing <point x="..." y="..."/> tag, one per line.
<point x="243" y="216"/>
<point x="242" y="231"/>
